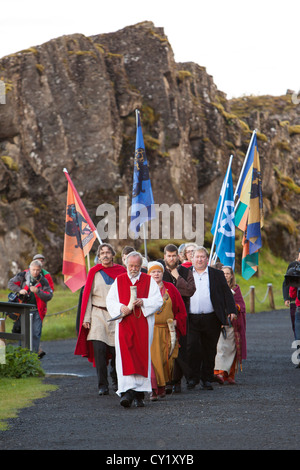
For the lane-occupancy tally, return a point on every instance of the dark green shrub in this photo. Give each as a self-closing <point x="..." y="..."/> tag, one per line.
<point x="20" y="363"/>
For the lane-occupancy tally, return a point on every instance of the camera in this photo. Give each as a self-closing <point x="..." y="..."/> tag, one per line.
<point x="18" y="298"/>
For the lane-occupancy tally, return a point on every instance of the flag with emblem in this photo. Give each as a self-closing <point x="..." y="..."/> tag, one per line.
<point x="142" y="206"/>
<point x="223" y="227"/>
<point x="249" y="209"/>
<point x="252" y="240"/>
<point x="79" y="238"/>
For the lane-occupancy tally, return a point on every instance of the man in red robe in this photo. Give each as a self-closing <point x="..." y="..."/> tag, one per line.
<point x="134" y="329"/>
<point x="96" y="338"/>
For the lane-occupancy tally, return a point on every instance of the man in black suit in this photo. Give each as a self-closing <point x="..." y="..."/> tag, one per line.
<point x="210" y="306"/>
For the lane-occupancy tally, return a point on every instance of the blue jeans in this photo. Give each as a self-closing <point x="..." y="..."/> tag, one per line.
<point x="36" y="331"/>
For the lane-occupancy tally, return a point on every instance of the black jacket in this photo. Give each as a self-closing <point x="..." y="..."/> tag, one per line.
<point x="185" y="283"/>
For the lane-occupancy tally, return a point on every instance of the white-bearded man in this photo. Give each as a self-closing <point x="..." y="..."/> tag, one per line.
<point x="134" y="330"/>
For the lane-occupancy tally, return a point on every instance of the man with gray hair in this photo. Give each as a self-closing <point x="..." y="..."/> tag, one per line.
<point x="32" y="283"/>
<point x="133" y="299"/>
<point x="210" y="306"/>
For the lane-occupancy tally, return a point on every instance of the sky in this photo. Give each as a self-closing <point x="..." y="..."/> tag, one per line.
<point x="250" y="48"/>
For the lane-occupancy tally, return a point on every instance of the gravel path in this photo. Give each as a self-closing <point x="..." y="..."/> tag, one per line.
<point x="261" y="412"/>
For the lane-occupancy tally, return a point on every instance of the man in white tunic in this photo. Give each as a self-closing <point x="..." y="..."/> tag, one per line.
<point x="134" y="329"/>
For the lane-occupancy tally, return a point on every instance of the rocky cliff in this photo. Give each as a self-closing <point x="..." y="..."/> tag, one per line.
<point x="70" y="103"/>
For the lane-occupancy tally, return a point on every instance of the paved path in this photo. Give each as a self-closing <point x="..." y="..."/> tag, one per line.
<point x="261" y="412"/>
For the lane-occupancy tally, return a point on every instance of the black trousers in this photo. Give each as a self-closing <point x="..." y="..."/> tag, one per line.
<point x="181" y="366"/>
<point x="203" y="335"/>
<point x="101" y="351"/>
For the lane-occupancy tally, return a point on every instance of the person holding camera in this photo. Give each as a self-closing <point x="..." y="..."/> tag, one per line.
<point x="35" y="289"/>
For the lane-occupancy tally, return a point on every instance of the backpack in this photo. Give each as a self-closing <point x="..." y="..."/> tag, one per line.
<point x="292" y="277"/>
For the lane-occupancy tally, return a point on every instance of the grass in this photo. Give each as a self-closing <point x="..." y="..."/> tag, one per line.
<point x="19" y="393"/>
<point x="271" y="271"/>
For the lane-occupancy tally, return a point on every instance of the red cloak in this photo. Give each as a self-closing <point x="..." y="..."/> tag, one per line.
<point x="133" y="329"/>
<point x="83" y="346"/>
<point x="178" y="308"/>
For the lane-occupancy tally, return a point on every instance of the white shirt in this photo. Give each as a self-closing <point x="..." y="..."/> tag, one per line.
<point x="200" y="302"/>
<point x="134" y="279"/>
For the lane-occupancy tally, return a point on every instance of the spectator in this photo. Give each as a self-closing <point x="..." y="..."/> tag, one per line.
<point x="288" y="301"/>
<point x="33" y="283"/>
<point x="294" y="293"/>
<point x="41" y="259"/>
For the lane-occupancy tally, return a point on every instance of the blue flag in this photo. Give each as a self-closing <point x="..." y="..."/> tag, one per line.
<point x="142" y="207"/>
<point x="225" y="236"/>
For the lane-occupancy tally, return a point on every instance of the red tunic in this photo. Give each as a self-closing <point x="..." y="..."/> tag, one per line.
<point x="133" y="329"/>
<point x="178" y="309"/>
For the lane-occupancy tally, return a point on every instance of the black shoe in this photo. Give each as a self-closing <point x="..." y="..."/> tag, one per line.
<point x="176" y="388"/>
<point x="126" y="399"/>
<point x="115" y="385"/>
<point x="103" y="390"/>
<point x="168" y="389"/>
<point x="41" y="354"/>
<point x="138" y="402"/>
<point x="191" y="384"/>
<point x="138" y="399"/>
<point x="206" y="385"/>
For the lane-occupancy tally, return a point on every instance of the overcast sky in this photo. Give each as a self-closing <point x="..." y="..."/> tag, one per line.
<point x="248" y="47"/>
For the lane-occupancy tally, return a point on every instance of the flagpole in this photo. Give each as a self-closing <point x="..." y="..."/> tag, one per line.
<point x="220" y="210"/>
<point x="81" y="204"/>
<point x="244" y="164"/>
<point x="137" y="112"/>
<point x="145" y="240"/>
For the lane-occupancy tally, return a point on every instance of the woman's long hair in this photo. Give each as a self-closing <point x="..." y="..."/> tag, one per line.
<point x="232" y="282"/>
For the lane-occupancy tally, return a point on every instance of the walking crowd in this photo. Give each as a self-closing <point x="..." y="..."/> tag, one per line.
<point x="153" y="325"/>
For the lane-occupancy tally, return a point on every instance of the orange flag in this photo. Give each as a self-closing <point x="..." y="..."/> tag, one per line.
<point x="79" y="238"/>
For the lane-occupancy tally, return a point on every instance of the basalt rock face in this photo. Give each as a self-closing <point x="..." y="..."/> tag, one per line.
<point x="70" y="103"/>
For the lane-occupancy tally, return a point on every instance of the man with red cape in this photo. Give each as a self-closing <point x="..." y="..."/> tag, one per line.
<point x="96" y="337"/>
<point x="134" y="329"/>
